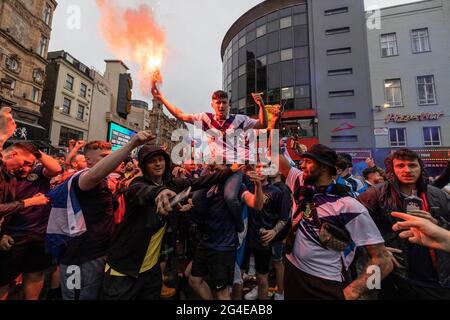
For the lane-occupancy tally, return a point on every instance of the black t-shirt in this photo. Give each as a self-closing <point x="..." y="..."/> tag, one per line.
<point x="276" y="207"/>
<point x="97" y="207"/>
<point x="32" y="220"/>
<point x="219" y="230"/>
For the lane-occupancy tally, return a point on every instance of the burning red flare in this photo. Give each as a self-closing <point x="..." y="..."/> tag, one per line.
<point x="134" y="35"/>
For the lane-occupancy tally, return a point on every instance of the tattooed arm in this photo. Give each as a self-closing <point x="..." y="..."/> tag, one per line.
<point x="379" y="256"/>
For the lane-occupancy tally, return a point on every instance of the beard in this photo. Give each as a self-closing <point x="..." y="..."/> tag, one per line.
<point x="312" y="176"/>
<point x="20" y="173"/>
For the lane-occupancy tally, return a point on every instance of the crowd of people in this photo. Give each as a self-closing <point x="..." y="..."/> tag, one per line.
<point x="96" y="224"/>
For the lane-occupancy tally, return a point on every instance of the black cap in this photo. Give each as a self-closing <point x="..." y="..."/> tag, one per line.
<point x="323" y="155"/>
<point x="347" y="158"/>
<point x="147" y="151"/>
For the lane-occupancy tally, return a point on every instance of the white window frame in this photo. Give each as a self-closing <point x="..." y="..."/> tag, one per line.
<point x="81" y="92"/>
<point x="287" y="54"/>
<point x="286" y="22"/>
<point x="389" y="44"/>
<point x="47" y="14"/>
<point x="261" y="30"/>
<point x="66" y="85"/>
<point x="78" y="112"/>
<point x="417" y="37"/>
<point x="431" y="143"/>
<point x="427" y="98"/>
<point x="43" y="45"/>
<point x="389" y="96"/>
<point x="398" y="145"/>
<point x="35" y="95"/>
<point x="70" y="106"/>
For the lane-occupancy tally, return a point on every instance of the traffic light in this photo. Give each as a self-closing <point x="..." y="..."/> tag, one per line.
<point x="124" y="95"/>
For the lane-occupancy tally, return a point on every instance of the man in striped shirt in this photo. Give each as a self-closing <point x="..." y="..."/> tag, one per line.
<point x="313" y="268"/>
<point x="221" y="129"/>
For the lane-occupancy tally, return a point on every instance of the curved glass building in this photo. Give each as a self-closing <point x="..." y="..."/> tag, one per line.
<point x="309" y="56"/>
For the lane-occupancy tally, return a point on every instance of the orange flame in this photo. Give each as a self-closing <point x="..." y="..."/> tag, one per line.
<point x="134" y="35"/>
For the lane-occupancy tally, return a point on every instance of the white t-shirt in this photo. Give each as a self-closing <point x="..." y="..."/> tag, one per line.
<point x="216" y="131"/>
<point x="309" y="254"/>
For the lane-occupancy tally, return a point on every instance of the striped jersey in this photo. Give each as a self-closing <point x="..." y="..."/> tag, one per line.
<point x="218" y="131"/>
<point x="309" y="254"/>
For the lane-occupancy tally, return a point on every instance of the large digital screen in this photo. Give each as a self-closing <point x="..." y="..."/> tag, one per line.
<point x="119" y="136"/>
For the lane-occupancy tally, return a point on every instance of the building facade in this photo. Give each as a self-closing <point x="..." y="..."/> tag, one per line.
<point x="25" y="29"/>
<point x="311" y="58"/>
<point x="410" y="75"/>
<point x="140" y="114"/>
<point x="67" y="99"/>
<point x="111" y="97"/>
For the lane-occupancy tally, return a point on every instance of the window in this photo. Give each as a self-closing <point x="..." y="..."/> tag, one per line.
<point x="432" y="136"/>
<point x="286" y="54"/>
<point x="420" y="40"/>
<point x="261" y="61"/>
<point x="287" y="93"/>
<point x="12" y="64"/>
<point x="393" y="93"/>
<point x="12" y="83"/>
<point x="389" y="45"/>
<point x="83" y="90"/>
<point x="340" y="72"/>
<point x="332" y="52"/>
<point x="300" y="128"/>
<point x="426" y="90"/>
<point x="397" y="137"/>
<point x="330" y="32"/>
<point x="302" y="92"/>
<point x="242" y="42"/>
<point x="343" y="93"/>
<point x="69" y="82"/>
<point x="242" y="70"/>
<point x="336" y="11"/>
<point x="47" y="14"/>
<point x="66" y="106"/>
<point x="82" y="68"/>
<point x="344" y="138"/>
<point x="42" y="46"/>
<point x="261" y="31"/>
<point x="80" y="113"/>
<point x="35" y="95"/>
<point x="343" y="115"/>
<point x="69" y="58"/>
<point x="67" y="134"/>
<point x="301" y="52"/>
<point x="285" y="22"/>
<point x="300" y="19"/>
<point x="273" y="57"/>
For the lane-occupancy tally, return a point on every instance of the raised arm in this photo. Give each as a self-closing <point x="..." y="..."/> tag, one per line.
<point x="254" y="200"/>
<point x="177" y="113"/>
<point x="262" y="115"/>
<point x="51" y="166"/>
<point x="73" y="152"/>
<point x="91" y="178"/>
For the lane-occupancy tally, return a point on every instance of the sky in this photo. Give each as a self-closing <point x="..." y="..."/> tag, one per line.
<point x="194" y="29"/>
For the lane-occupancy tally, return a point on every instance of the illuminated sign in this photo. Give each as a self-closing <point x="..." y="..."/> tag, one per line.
<point x="381" y="131"/>
<point x="425" y="116"/>
<point x="119" y="136"/>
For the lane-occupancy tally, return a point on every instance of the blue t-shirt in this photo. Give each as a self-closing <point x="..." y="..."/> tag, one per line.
<point x="32" y="220"/>
<point x="219" y="230"/>
<point x="276" y="207"/>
